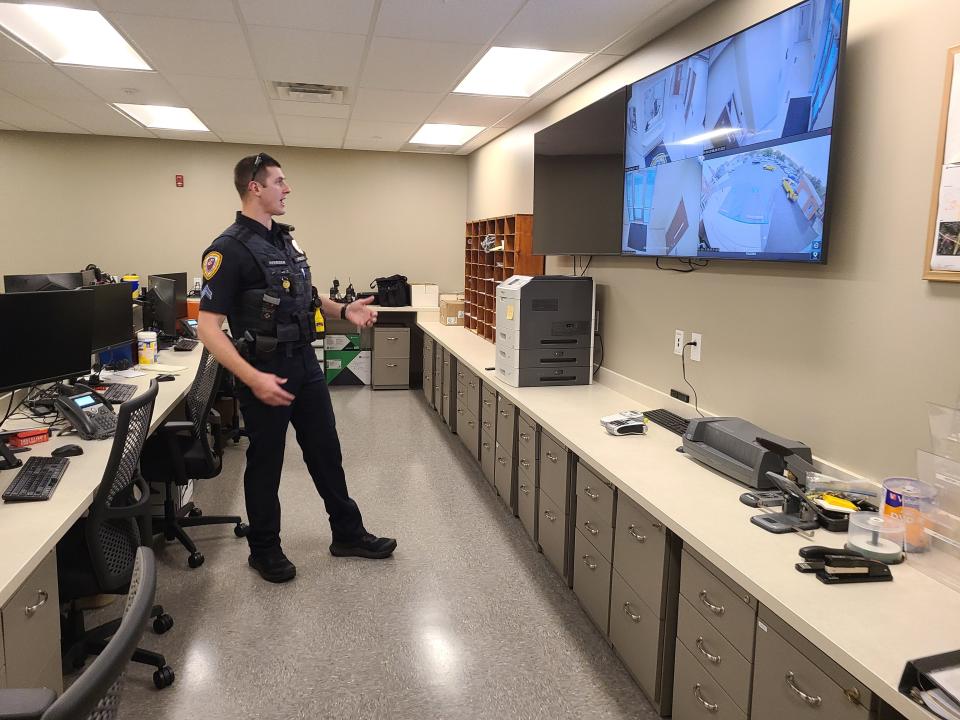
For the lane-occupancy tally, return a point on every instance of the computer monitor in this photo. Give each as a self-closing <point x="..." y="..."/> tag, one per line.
<point x="112" y="316"/>
<point x="180" y="288"/>
<point x="161" y="301"/>
<point x="47" y="336"/>
<point x="44" y="281"/>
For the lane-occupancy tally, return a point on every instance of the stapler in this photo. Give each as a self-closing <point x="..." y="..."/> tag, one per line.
<point x="840" y="565"/>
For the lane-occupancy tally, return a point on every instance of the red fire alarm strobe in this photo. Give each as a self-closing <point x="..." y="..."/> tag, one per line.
<point x="179" y="180"/>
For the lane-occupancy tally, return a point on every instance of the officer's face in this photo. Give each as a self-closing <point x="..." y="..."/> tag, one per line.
<point x="272" y="192"/>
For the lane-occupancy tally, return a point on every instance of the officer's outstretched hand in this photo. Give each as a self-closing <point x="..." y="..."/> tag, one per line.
<point x="359" y="314"/>
<point x="267" y="388"/>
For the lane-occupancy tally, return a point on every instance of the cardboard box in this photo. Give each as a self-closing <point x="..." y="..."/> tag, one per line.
<point x="424" y="294"/>
<point x="451" y="311"/>
<point x="350" y="341"/>
<point x="347" y="367"/>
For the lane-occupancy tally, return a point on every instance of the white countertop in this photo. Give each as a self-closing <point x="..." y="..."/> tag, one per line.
<point x="870" y="629"/>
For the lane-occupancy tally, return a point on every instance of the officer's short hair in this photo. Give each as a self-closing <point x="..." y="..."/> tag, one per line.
<point x="243" y="173"/>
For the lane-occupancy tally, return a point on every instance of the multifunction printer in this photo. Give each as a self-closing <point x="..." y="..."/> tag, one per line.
<point x="545" y="330"/>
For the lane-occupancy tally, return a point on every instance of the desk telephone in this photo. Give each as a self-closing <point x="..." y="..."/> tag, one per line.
<point x="90" y="413"/>
<point x="189" y="328"/>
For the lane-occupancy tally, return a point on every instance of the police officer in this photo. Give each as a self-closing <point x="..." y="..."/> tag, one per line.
<point x="257" y="276"/>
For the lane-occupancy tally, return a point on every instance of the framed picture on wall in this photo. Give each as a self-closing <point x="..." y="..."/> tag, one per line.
<point x="942" y="259"/>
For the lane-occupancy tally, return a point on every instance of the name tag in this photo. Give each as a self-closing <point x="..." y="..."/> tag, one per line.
<point x="301" y="258"/>
<point x="276" y="262"/>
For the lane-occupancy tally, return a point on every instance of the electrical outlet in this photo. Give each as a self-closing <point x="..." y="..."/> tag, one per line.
<point x="678" y="342"/>
<point x="682" y="396"/>
<point x="596" y="321"/>
<point x="696" y="349"/>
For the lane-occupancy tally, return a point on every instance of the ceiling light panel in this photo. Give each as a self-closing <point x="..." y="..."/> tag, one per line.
<point x="440" y="134"/>
<point x="70" y="37"/>
<point x="163" y="117"/>
<point x="516" y="72"/>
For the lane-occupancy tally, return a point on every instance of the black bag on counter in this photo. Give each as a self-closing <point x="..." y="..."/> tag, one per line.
<point x="392" y="291"/>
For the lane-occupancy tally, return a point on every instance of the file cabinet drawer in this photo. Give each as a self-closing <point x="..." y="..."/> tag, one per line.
<point x="553" y="470"/>
<point x="391" y="342"/>
<point x="488" y="410"/>
<point x="488" y="457"/>
<point x="715" y="653"/>
<point x="428" y="344"/>
<point x="391" y="372"/>
<point x="725" y="605"/>
<point x="503" y="476"/>
<point x="635" y="634"/>
<point x="506" y="422"/>
<point x="527" y="503"/>
<point x="472" y="386"/>
<point x="527" y="445"/>
<point x="551" y="533"/>
<point x="697" y="696"/>
<point x="595" y="511"/>
<point x="31" y="630"/>
<point x="639" y="551"/>
<point x="591" y="581"/>
<point x="468" y="430"/>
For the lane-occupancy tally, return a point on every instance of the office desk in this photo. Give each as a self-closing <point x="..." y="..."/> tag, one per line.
<point x="29" y="531"/>
<point x="869" y="629"/>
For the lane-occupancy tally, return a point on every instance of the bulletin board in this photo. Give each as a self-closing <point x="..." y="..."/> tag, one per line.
<point x="942" y="258"/>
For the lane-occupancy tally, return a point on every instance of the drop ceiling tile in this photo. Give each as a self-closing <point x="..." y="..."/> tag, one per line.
<point x="414" y="65"/>
<point x="186" y="135"/>
<point x="260" y="140"/>
<point x="219" y="10"/>
<point x="310" y="109"/>
<point x="23" y="115"/>
<point x="237" y="123"/>
<point x="394" y="105"/>
<point x="127" y="86"/>
<point x="573" y="25"/>
<point x="189" y="47"/>
<point x="589" y="68"/>
<point x="307" y="55"/>
<point x="238" y="96"/>
<point x="474" y="109"/>
<point x="94" y="115"/>
<point x="310" y="131"/>
<point x="657" y="24"/>
<point x="337" y="16"/>
<point x="386" y="132"/>
<point x="380" y="145"/>
<point x="40" y="80"/>
<point x="465" y="21"/>
<point x="14" y="52"/>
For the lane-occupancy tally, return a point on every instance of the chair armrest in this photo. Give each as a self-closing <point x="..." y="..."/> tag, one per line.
<point x="25" y="704"/>
<point x="216" y="429"/>
<point x="173" y="427"/>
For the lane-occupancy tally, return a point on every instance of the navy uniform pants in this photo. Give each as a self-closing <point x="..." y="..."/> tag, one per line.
<point x="311" y="414"/>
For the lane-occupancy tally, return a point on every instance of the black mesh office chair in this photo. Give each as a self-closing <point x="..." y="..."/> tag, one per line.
<point x="181" y="451"/>
<point x="96" y="693"/>
<point x="97" y="555"/>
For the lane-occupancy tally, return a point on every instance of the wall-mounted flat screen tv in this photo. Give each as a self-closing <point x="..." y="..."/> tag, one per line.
<point x="727" y="152"/>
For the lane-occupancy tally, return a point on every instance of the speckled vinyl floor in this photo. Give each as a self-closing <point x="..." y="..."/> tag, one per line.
<point x="465" y="621"/>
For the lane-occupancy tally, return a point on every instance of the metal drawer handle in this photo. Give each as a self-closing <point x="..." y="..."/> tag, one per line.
<point x="715" y="659"/>
<point x="524" y="437"/>
<point x="813" y="701"/>
<point x="470" y="423"/>
<point x="391" y="339"/>
<point x="588" y="491"/>
<point x="42" y="598"/>
<point x="524" y="463"/>
<point x="459" y="411"/>
<point x="711" y="707"/>
<point x="590" y="528"/>
<point x="551" y="457"/>
<point x="446" y="363"/>
<point x="394" y="365"/>
<point x="637" y="536"/>
<point x="502" y="461"/>
<point x="550" y="516"/>
<point x="426" y="376"/>
<point x="486" y="445"/>
<point x="473" y="385"/>
<point x="587" y="560"/>
<point x="504" y="413"/>
<point x="657" y="525"/>
<point x="487" y="424"/>
<point x="523" y="489"/>
<point x="459" y="393"/>
<point x="715" y="609"/>
<point x="633" y="616"/>
<point x="853" y="695"/>
<point x="486" y="403"/>
<point x="460" y="375"/>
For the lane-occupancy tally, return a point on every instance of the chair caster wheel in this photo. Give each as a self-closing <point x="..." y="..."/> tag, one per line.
<point x="195" y="560"/>
<point x="241" y="530"/>
<point x="195" y="512"/>
<point x="164" y="677"/>
<point x="162" y="623"/>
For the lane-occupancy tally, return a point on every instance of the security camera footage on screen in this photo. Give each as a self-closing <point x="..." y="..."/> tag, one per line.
<point x="727" y="151"/>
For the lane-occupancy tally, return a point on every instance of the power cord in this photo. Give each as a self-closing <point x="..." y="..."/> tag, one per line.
<point x="596" y="369"/>
<point x="683" y="366"/>
<point x="689" y="262"/>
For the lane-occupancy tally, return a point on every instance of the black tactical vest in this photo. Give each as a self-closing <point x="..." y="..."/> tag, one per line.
<point x="283" y="312"/>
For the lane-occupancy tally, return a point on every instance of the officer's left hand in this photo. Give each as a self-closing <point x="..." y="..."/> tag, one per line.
<point x="359" y="314"/>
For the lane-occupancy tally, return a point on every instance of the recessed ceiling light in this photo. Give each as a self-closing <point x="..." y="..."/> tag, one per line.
<point x="162" y="117"/>
<point x="437" y="134"/>
<point x="70" y="37"/>
<point x="516" y="72"/>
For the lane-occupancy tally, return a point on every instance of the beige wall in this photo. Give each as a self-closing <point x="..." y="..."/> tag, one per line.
<point x="70" y="200"/>
<point x="844" y="356"/>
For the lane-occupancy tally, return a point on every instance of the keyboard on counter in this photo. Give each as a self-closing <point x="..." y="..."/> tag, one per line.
<point x="37" y="479"/>
<point x="668" y="420"/>
<point x="185" y="344"/>
<point x="117" y="393"/>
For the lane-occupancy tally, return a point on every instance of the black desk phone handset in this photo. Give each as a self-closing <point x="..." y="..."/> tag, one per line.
<point x="189" y="328"/>
<point x="90" y="413"/>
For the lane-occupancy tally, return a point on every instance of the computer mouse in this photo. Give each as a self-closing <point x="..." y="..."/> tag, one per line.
<point x="67" y="451"/>
<point x="165" y="378"/>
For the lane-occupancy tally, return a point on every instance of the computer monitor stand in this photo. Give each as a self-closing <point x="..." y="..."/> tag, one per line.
<point x="8" y="460"/>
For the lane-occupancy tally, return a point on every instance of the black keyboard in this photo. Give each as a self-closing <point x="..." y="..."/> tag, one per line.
<point x="666" y="419"/>
<point x="119" y="392"/>
<point x="185" y="344"/>
<point x="37" y="479"/>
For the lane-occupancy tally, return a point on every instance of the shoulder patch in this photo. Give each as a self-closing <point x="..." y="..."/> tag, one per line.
<point x="211" y="263"/>
<point x="295" y="246"/>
